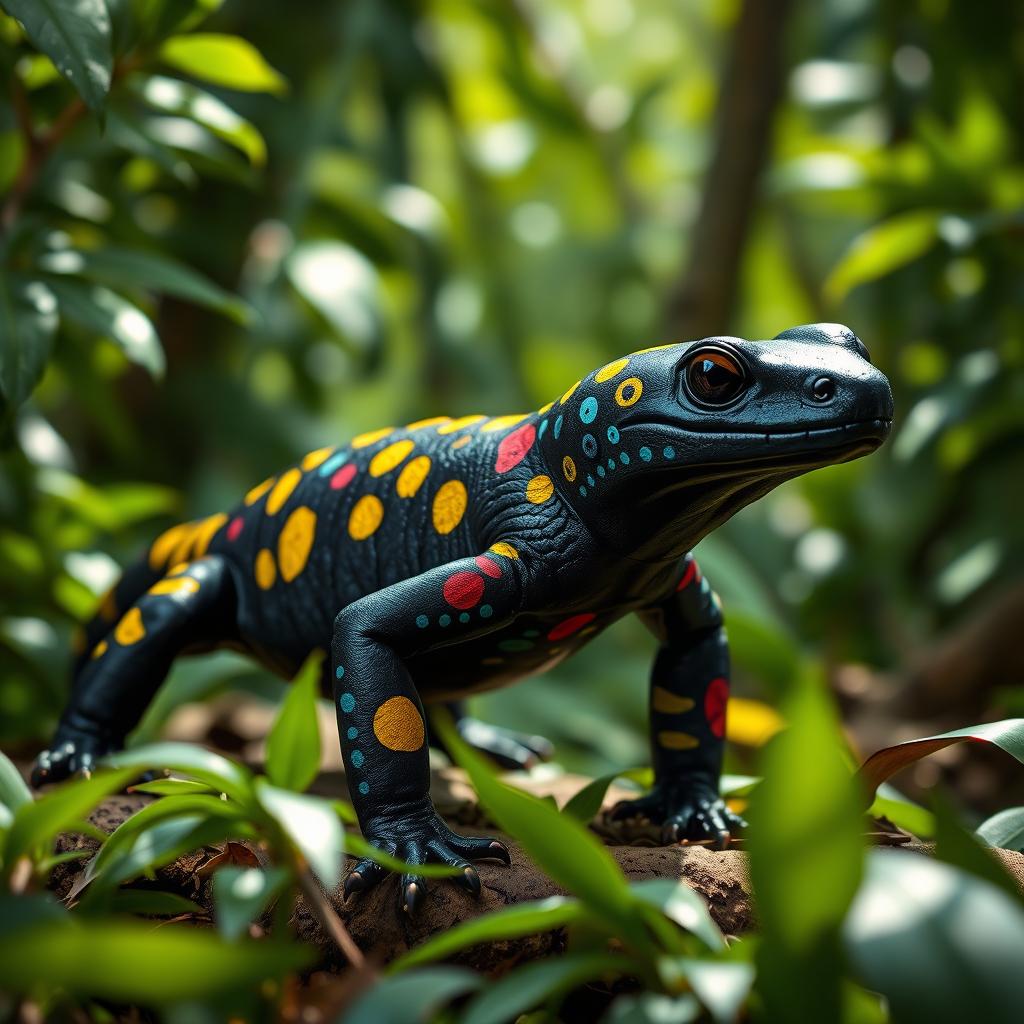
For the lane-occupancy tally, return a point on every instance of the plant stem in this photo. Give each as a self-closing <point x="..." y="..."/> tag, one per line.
<point x="333" y="924"/>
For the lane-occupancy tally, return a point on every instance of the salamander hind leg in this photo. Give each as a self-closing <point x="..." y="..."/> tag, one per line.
<point x="191" y="605"/>
<point x="507" y="748"/>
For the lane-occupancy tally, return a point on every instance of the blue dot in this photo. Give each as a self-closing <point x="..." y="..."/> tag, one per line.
<point x="333" y="463"/>
<point x="590" y="480"/>
<point x="558" y="427"/>
<point x="339" y="671"/>
<point x="669" y="452"/>
<point x="589" y="445"/>
<point x="624" y="458"/>
<point x="464" y="618"/>
<point x="352" y="733"/>
<point x="613" y="434"/>
<point x="364" y="788"/>
<point x="348" y="702"/>
<point x="445" y="620"/>
<point x="611" y="464"/>
<point x="583" y="491"/>
<point x="645" y="453"/>
<point x="601" y="472"/>
<point x="588" y="409"/>
<point x="486" y="611"/>
<point x="357" y="759"/>
<point x="422" y="621"/>
<point x="543" y="427"/>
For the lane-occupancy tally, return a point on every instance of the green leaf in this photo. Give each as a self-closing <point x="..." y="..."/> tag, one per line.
<point x="151" y="902"/>
<point x="293" y="746"/>
<point x="170" y="787"/>
<point x="653" y="1008"/>
<point x="1005" y="829"/>
<point x="679" y="903"/>
<point x="311" y="825"/>
<point x="721" y="985"/>
<point x="202" y="765"/>
<point x="584" y="805"/>
<point x="1008" y="735"/>
<point x="28" y="323"/>
<point x="99" y="310"/>
<point x="938" y="943"/>
<point x="174" y="97"/>
<point x="530" y="985"/>
<point x="13" y="789"/>
<point x="510" y="923"/>
<point x="882" y="249"/>
<point x="240" y="896"/>
<point x="224" y="60"/>
<point x="413" y="996"/>
<point x="120" y="268"/>
<point x="890" y="803"/>
<point x="136" y="963"/>
<point x="75" y="35"/>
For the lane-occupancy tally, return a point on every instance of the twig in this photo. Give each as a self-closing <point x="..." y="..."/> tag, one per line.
<point x="333" y="924"/>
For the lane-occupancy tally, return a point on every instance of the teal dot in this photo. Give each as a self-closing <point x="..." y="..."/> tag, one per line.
<point x="558" y="427"/>
<point x="611" y="464"/>
<point x="583" y="491"/>
<point x="348" y="702"/>
<point x="445" y="620"/>
<point x="464" y="618"/>
<point x="590" y="480"/>
<point x="543" y="427"/>
<point x="669" y="452"/>
<point x="588" y="409"/>
<point x="364" y="788"/>
<point x="333" y="463"/>
<point x="357" y="759"/>
<point x="352" y="733"/>
<point x="613" y="434"/>
<point x="645" y="453"/>
<point x="422" y="621"/>
<point x="590" y="446"/>
<point x="339" y="671"/>
<point x="486" y="611"/>
<point x="601" y="472"/>
<point x="624" y="458"/>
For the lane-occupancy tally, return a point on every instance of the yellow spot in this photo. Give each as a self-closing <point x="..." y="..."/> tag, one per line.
<point x="569" y="468"/>
<point x="365" y="517"/>
<point x="295" y="542"/>
<point x="449" y="505"/>
<point x="397" y="724"/>
<point x="282" y="491"/>
<point x="504" y="548"/>
<point x="164" y="545"/>
<point x="205" y="532"/>
<point x="130" y="629"/>
<point x="454" y="426"/>
<point x="108" y="606"/>
<point x="313" y="459"/>
<point x="183" y="548"/>
<point x="565" y="398"/>
<point x="410" y="480"/>
<point x="503" y="422"/>
<point x="545" y="408"/>
<point x="629" y="391"/>
<point x="677" y="740"/>
<point x="668" y="703"/>
<point x="178" y="569"/>
<point x="180" y="586"/>
<point x="258" y="491"/>
<point x="100" y="649"/>
<point x="750" y="722"/>
<point x="539" y="489"/>
<point x="370" y="438"/>
<point x="388" y="458"/>
<point x="461" y="442"/>
<point x="432" y="421"/>
<point x="656" y="348"/>
<point x="266" y="571"/>
<point x="611" y="370"/>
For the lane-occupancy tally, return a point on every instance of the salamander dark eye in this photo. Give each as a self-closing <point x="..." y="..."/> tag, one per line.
<point x="714" y="378"/>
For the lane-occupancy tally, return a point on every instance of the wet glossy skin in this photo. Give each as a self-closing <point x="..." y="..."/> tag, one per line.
<point x="455" y="555"/>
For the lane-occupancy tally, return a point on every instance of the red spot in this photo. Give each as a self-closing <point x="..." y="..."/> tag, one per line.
<point x="463" y="589"/>
<point x="514" y="447"/>
<point x="571" y="625"/>
<point x="488" y="567"/>
<point x="715" y="700"/>
<point x="689" y="575"/>
<point x="343" y="477"/>
<point x="235" y="528"/>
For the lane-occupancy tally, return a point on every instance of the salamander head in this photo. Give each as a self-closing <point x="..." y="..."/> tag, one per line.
<point x="669" y="442"/>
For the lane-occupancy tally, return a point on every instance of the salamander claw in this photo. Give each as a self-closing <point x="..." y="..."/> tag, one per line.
<point x="685" y="814"/>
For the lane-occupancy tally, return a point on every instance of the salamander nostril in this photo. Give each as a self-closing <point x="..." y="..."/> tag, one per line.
<point x="823" y="389"/>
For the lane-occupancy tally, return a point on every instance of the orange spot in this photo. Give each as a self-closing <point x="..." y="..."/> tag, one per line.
<point x="265" y="571"/>
<point x="130" y="630"/>
<point x="258" y="491"/>
<point x="539" y="489"/>
<point x="503" y="548"/>
<point x="677" y="740"/>
<point x="397" y="725"/>
<point x="100" y="649"/>
<point x="668" y="703"/>
<point x="462" y="441"/>
<point x="449" y="505"/>
<point x="365" y="517"/>
<point x="388" y="458"/>
<point x="410" y="480"/>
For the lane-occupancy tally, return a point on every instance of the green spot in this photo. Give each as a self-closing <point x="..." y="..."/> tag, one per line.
<point x="515" y="645"/>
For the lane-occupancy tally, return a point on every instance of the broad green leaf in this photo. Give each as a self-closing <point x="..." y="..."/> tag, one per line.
<point x="13" y="789"/>
<point x="120" y="268"/>
<point x="1005" y="829"/>
<point x="890" y="803"/>
<point x="653" y="1008"/>
<point x="202" y="765"/>
<point x="882" y="249"/>
<point x="26" y="910"/>
<point x="679" y="903"/>
<point x="1008" y="735"/>
<point x="939" y="944"/>
<point x="293" y="746"/>
<point x="806" y="851"/>
<point x="103" y="312"/>
<point x="240" y="896"/>
<point x="75" y="35"/>
<point x="510" y="923"/>
<point x="530" y="985"/>
<point x="151" y="902"/>
<point x="28" y="323"/>
<point x="224" y="60"/>
<point x="136" y="963"/>
<point x="175" y="97"/>
<point x="312" y="826"/>
<point x="413" y="996"/>
<point x="562" y="847"/>
<point x="721" y="985"/>
<point x="584" y="805"/>
<point x="170" y="787"/>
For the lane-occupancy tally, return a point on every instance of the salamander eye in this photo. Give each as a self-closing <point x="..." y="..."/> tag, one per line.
<point x="715" y="378"/>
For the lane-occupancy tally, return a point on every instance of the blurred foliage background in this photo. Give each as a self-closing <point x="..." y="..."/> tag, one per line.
<point x="406" y="208"/>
